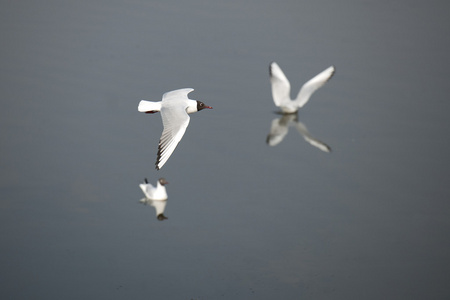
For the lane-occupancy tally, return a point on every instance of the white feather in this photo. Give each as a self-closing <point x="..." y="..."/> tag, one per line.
<point x="145" y="106"/>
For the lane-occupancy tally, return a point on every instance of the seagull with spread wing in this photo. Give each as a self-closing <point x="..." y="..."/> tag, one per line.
<point x="175" y="108"/>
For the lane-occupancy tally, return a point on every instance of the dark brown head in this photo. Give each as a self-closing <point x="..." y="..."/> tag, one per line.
<point x="163" y="181"/>
<point x="201" y="105"/>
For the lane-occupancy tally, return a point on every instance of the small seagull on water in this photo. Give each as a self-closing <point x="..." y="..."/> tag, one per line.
<point x="281" y="88"/>
<point x="155" y="196"/>
<point x="174" y="107"/>
<point x="154" y="193"/>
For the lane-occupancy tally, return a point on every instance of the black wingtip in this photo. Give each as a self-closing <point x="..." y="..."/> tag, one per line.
<point x="270" y="68"/>
<point x="332" y="73"/>
<point x="158" y="156"/>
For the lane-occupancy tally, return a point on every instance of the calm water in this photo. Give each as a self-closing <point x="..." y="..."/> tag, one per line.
<point x="245" y="220"/>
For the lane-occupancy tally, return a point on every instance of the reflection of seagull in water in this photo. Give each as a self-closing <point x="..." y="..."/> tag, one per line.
<point x="155" y="196"/>
<point x="281" y="88"/>
<point x="280" y="128"/>
<point x="174" y="107"/>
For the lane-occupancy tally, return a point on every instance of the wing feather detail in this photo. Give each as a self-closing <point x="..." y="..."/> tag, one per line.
<point x="313" y="85"/>
<point x="175" y="121"/>
<point x="281" y="88"/>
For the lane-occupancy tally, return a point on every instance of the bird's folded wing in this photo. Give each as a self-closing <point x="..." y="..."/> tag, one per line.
<point x="147" y="189"/>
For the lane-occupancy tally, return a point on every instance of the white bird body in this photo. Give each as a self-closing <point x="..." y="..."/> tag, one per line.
<point x="281" y="88"/>
<point x="174" y="107"/>
<point x="157" y="192"/>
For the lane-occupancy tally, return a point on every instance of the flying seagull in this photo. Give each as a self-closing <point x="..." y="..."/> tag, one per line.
<point x="174" y="107"/>
<point x="281" y="88"/>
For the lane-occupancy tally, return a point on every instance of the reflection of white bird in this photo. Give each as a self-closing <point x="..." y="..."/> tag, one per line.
<point x="155" y="193"/>
<point x="159" y="207"/>
<point x="281" y="88"/>
<point x="280" y="128"/>
<point x="175" y="107"/>
<point x="155" y="196"/>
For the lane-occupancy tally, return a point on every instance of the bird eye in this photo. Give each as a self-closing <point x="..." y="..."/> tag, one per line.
<point x="201" y="104"/>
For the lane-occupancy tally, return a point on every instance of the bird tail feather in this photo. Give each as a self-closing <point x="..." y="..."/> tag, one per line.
<point x="149" y="106"/>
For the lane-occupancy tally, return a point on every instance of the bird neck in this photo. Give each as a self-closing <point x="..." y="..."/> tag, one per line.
<point x="192" y="106"/>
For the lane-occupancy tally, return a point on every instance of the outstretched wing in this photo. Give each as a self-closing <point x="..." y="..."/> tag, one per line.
<point x="281" y="88"/>
<point x="175" y="121"/>
<point x="177" y="95"/>
<point x="313" y="84"/>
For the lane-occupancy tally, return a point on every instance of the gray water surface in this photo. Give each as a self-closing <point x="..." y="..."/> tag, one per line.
<point x="246" y="220"/>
